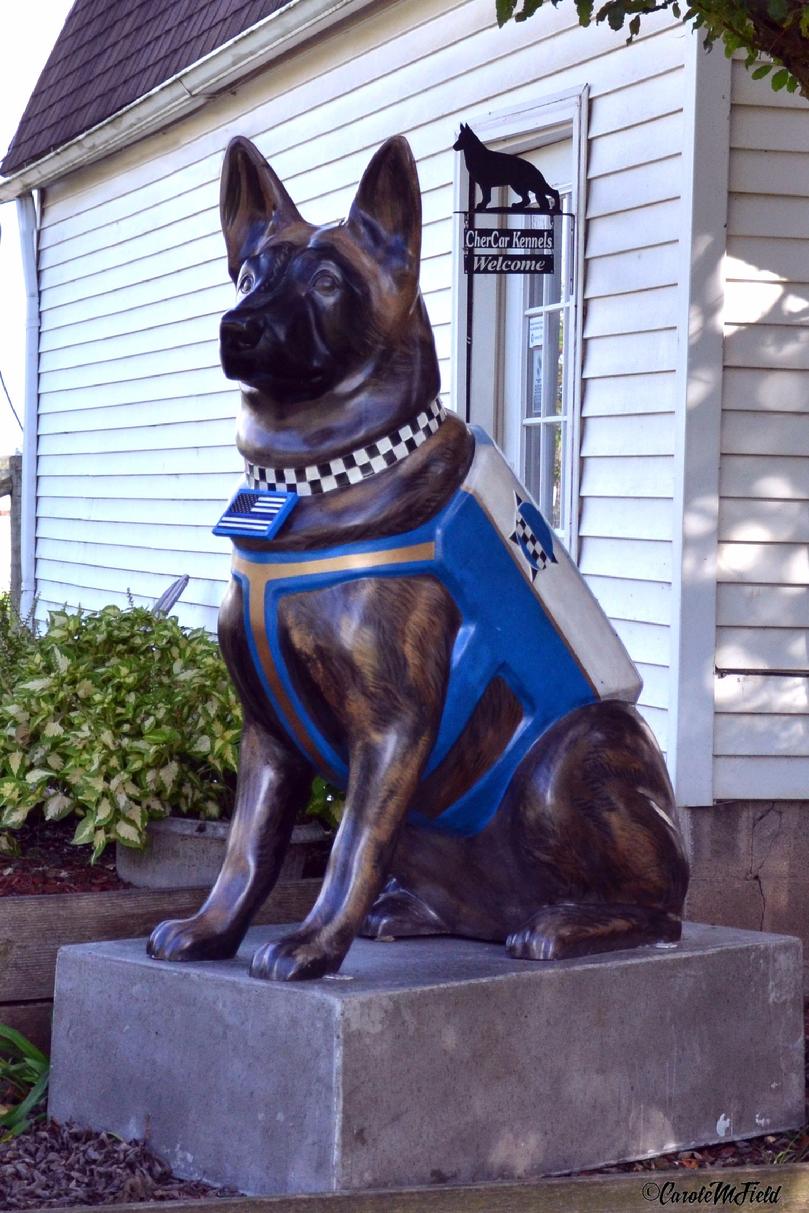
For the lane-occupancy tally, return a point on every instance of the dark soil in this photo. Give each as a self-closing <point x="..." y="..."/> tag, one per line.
<point x="54" y="1166"/>
<point x="49" y="863"/>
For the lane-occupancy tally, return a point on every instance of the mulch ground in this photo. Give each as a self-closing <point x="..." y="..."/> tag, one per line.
<point x="49" y="863"/>
<point x="53" y="1166"/>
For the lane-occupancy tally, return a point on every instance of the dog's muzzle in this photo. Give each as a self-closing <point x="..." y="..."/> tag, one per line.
<point x="239" y="333"/>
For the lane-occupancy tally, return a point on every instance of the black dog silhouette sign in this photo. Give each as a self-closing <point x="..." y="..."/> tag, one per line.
<point x="490" y="169"/>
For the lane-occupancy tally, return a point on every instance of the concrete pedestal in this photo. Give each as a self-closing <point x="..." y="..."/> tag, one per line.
<point x="430" y="1061"/>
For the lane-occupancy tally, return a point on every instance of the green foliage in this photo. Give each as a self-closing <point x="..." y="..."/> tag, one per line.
<point x="16" y="641"/>
<point x="795" y="1150"/>
<point x="326" y="803"/>
<point x="117" y="717"/>
<point x="24" y="1073"/>
<point x="772" y="34"/>
<point x="9" y="846"/>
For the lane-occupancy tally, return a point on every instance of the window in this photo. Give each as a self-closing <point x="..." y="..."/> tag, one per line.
<point x="537" y="384"/>
<point x="519" y="376"/>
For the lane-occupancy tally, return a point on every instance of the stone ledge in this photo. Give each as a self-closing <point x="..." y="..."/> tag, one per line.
<point x="430" y="1061"/>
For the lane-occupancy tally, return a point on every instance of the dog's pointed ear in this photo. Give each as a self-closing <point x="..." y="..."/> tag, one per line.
<point x="386" y="212"/>
<point x="252" y="202"/>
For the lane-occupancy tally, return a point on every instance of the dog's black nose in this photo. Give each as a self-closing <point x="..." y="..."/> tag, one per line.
<point x="239" y="332"/>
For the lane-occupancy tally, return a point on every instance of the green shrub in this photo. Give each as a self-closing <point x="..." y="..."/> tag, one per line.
<point x="24" y="1074"/>
<point x="17" y="638"/>
<point x="116" y="716"/>
<point x="326" y="803"/>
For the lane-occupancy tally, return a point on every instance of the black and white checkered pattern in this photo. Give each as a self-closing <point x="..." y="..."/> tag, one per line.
<point x="350" y="469"/>
<point x="532" y="547"/>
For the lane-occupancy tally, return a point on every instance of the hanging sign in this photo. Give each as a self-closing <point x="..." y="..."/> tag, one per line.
<point x="495" y="250"/>
<point x="510" y="250"/>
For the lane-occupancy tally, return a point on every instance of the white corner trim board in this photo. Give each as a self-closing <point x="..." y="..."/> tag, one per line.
<point x="697" y="451"/>
<point x="27" y="220"/>
<point x="186" y="91"/>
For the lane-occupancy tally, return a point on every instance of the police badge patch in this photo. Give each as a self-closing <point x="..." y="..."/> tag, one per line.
<point x="532" y="535"/>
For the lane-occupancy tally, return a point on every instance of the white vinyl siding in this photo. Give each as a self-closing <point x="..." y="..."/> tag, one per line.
<point x="136" y="451"/>
<point x="633" y="266"/>
<point x="762" y="724"/>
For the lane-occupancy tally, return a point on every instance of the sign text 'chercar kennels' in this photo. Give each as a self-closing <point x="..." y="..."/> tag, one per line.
<point x="494" y="250"/>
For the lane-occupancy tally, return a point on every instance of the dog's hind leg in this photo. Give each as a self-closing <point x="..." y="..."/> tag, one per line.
<point x="561" y="931"/>
<point x="399" y="913"/>
<point x="447" y="884"/>
<point x="593" y="807"/>
<point x="543" y="202"/>
<point x="582" y="856"/>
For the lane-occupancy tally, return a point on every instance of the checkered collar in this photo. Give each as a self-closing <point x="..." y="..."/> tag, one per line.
<point x="350" y="469"/>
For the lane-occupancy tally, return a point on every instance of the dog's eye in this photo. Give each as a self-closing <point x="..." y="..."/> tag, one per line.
<point x="247" y="283"/>
<point x="326" y="283"/>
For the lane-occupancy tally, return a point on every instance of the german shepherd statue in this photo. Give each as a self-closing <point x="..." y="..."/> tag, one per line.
<point x="402" y="620"/>
<point x="490" y="169"/>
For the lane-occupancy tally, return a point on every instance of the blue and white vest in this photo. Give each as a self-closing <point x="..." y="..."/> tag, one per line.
<point x="527" y="617"/>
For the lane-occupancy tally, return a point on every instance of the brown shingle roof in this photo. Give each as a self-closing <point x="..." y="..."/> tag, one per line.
<point x="110" y="52"/>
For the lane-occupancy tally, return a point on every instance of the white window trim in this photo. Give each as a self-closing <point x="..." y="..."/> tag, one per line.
<point x="561" y="115"/>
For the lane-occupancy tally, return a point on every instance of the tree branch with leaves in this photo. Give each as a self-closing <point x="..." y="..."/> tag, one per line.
<point x="773" y="34"/>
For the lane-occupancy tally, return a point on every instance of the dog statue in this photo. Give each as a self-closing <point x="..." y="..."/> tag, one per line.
<point x="402" y="620"/>
<point x="489" y="169"/>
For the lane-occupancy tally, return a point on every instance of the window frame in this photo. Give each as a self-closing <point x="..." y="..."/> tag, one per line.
<point x="518" y="129"/>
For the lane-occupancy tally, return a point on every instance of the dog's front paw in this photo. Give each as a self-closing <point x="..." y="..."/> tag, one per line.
<point x="295" y="958"/>
<point x="190" y="939"/>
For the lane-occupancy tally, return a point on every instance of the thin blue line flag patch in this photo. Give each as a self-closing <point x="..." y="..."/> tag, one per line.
<point x="256" y="513"/>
